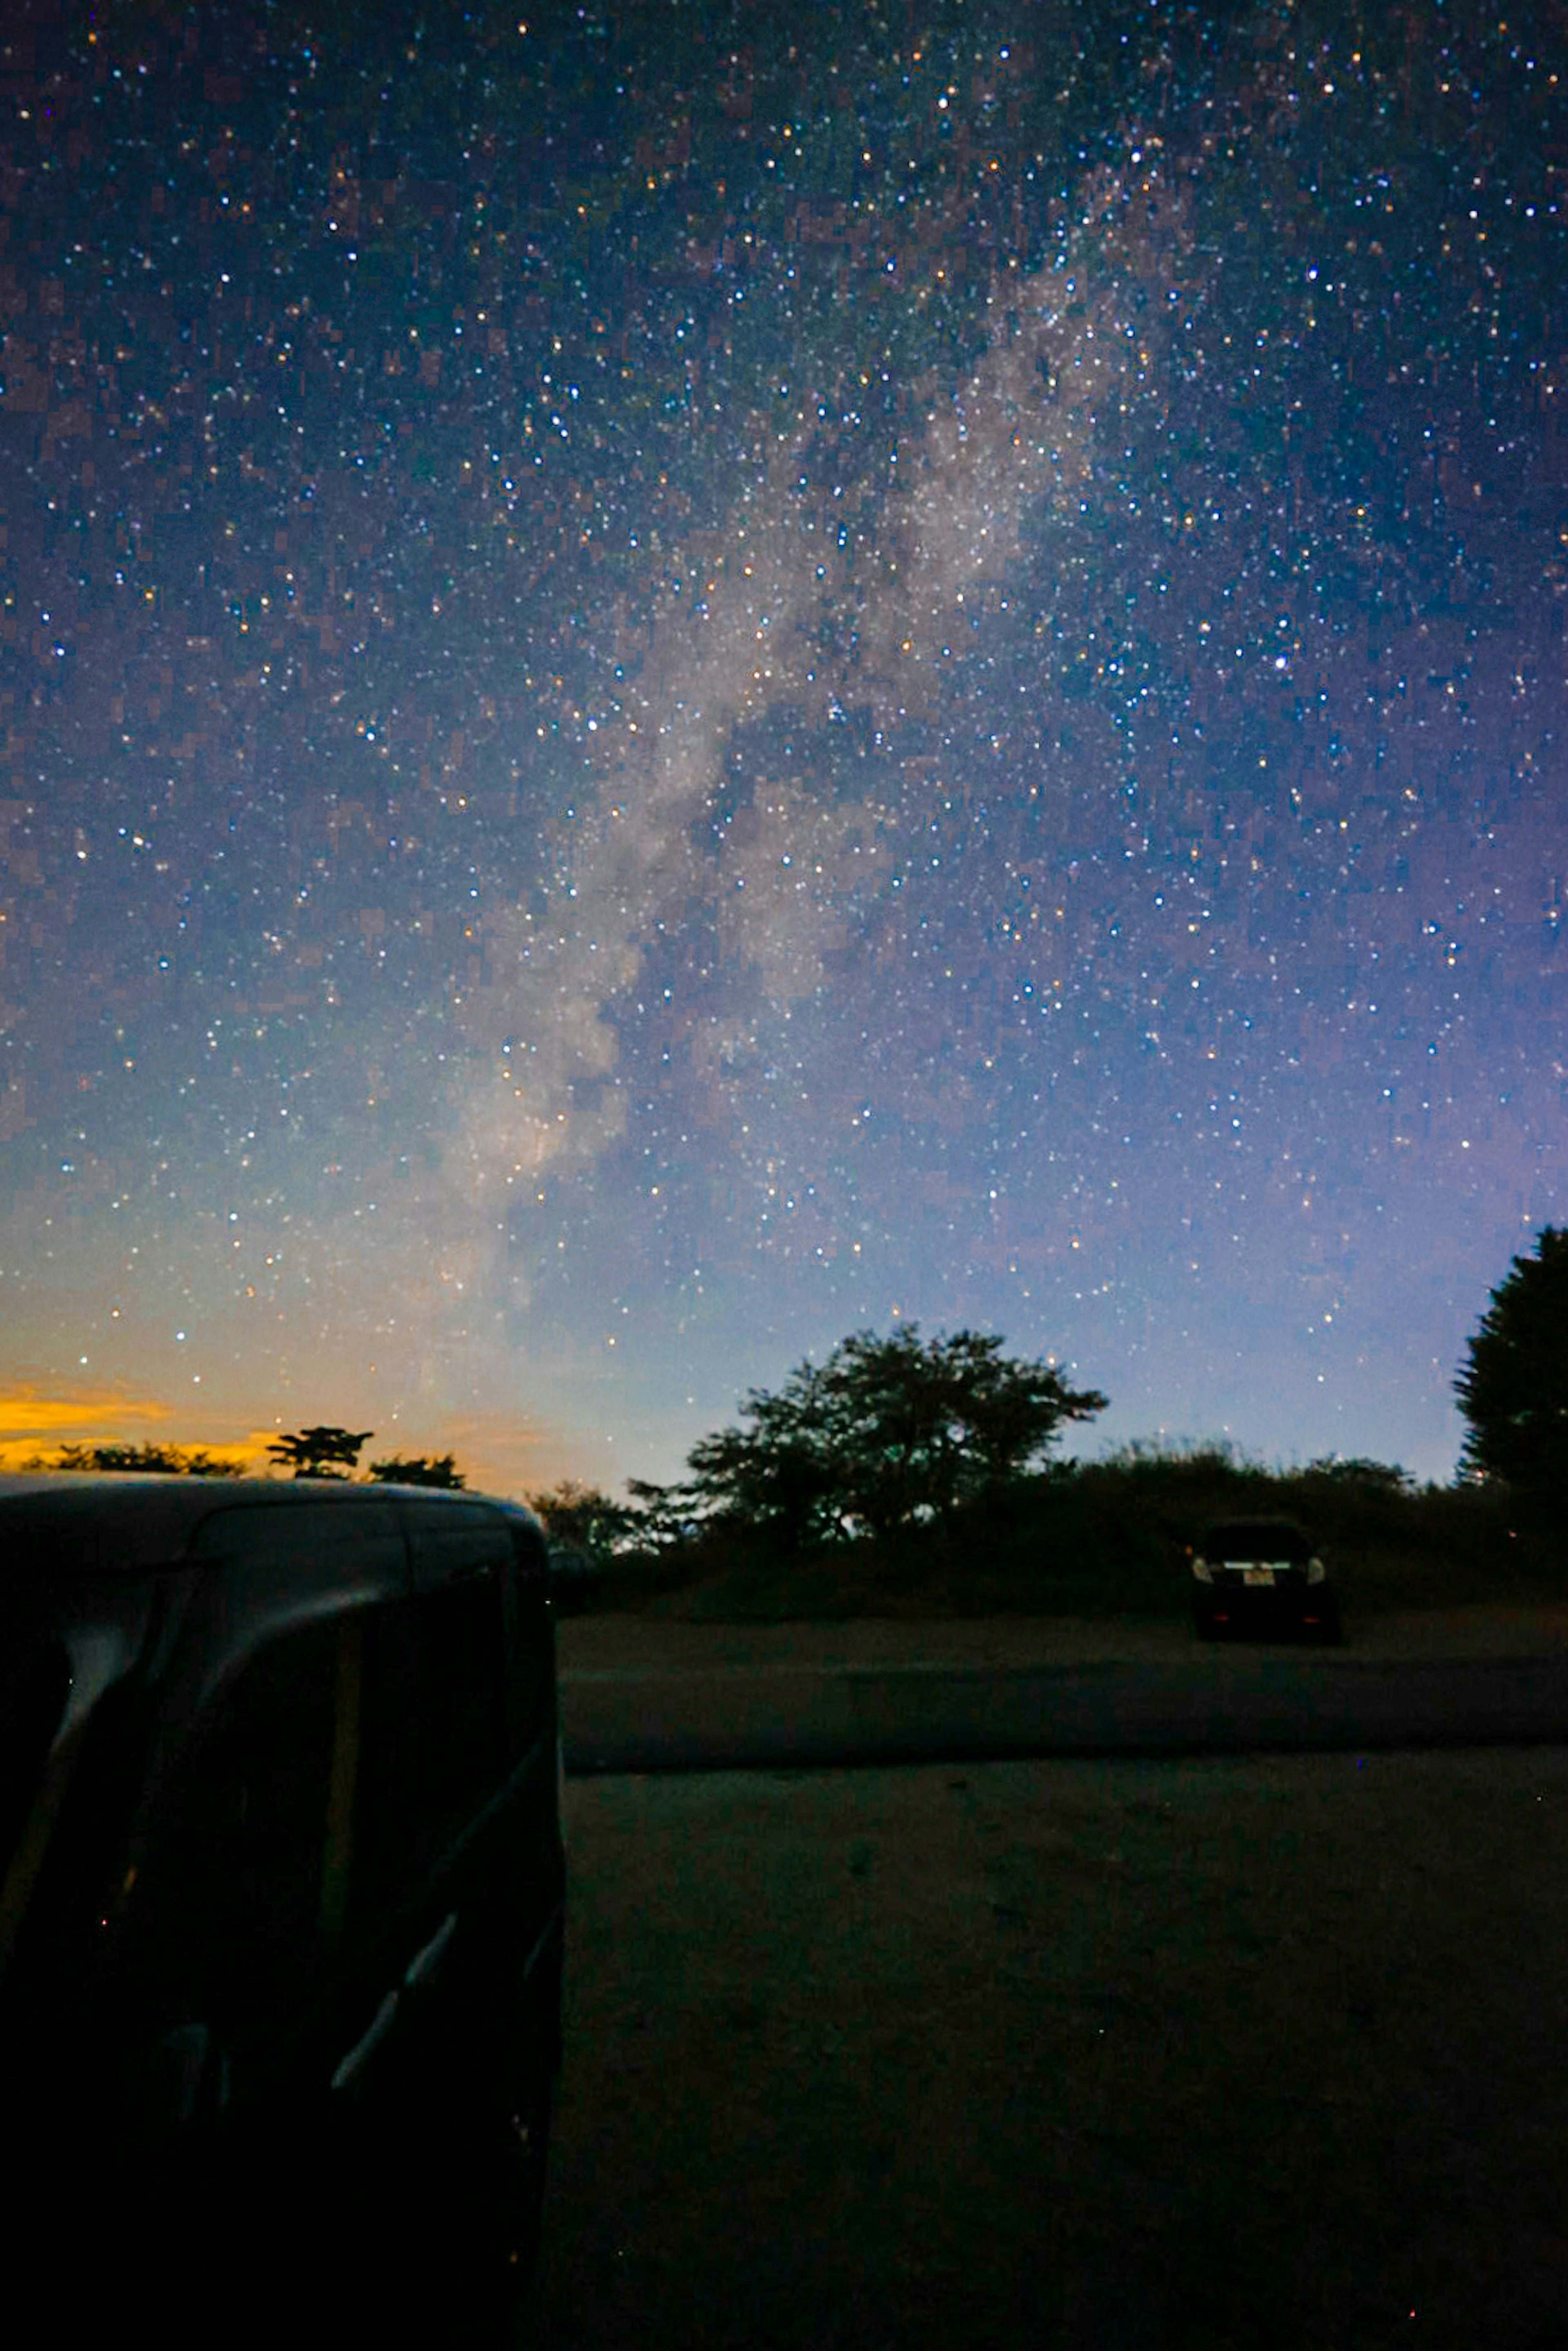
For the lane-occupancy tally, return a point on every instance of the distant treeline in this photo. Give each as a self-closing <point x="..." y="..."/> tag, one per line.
<point x="1097" y="1538"/>
<point x="321" y="1452"/>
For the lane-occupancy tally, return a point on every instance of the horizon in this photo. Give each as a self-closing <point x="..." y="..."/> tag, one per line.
<point x="56" y="1423"/>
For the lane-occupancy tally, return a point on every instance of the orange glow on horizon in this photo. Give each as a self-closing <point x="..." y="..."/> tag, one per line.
<point x="493" y="1452"/>
<point x="33" y="1421"/>
<point x="28" y="1413"/>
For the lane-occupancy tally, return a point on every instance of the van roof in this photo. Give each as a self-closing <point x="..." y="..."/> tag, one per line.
<point x="132" y="1521"/>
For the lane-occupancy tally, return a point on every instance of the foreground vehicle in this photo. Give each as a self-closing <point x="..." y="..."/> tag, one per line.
<point x="1252" y="1573"/>
<point x="281" y="1902"/>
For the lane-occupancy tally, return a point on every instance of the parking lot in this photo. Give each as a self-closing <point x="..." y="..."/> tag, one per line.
<point x="1208" y="2052"/>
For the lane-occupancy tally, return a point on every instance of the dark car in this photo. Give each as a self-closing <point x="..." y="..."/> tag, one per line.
<point x="575" y="1576"/>
<point x="282" y="1889"/>
<point x="1252" y="1573"/>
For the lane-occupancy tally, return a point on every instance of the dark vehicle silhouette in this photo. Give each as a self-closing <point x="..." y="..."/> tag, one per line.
<point x="575" y="1576"/>
<point x="1260" y="1574"/>
<point x="282" y="1893"/>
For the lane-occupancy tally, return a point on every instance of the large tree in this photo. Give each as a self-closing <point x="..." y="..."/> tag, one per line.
<point x="661" y="1517"/>
<point x="1513" y="1391"/>
<point x="887" y="1434"/>
<point x="779" y="1475"/>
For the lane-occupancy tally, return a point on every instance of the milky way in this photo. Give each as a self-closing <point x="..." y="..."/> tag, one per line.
<point x="738" y="632"/>
<point x="675" y="684"/>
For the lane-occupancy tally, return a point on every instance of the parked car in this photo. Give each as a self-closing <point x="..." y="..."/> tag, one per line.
<point x="575" y="1576"/>
<point x="1248" y="1573"/>
<point x="282" y="1892"/>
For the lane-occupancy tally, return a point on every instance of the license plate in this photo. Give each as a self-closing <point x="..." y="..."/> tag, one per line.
<point x="1257" y="1575"/>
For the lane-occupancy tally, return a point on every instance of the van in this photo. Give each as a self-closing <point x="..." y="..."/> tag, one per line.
<point x="282" y="1896"/>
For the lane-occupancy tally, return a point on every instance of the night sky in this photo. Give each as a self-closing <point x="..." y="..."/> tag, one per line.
<point x="680" y="679"/>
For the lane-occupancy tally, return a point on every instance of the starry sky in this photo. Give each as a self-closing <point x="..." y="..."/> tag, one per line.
<point x="677" y="679"/>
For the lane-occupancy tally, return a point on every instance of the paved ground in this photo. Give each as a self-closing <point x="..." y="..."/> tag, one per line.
<point x="661" y="1697"/>
<point x="597" y="1645"/>
<point x="1106" y="2055"/>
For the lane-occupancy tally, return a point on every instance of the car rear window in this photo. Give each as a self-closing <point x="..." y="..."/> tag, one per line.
<point x="1256" y="1539"/>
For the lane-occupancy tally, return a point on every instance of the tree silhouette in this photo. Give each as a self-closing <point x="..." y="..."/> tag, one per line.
<point x="582" y="1517"/>
<point x="779" y="1475"/>
<point x="320" y="1452"/>
<point x="1513" y="1391"/>
<point x="147" y="1459"/>
<point x="418" y="1470"/>
<point x="202" y="1464"/>
<point x="1371" y="1477"/>
<point x="660" y="1517"/>
<point x="886" y="1435"/>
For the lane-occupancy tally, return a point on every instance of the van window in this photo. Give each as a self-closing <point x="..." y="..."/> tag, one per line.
<point x="239" y="1887"/>
<point x="529" y="1638"/>
<point x="458" y="1730"/>
<point x="431" y="1752"/>
<point x="333" y="1548"/>
<point x="456" y="1539"/>
<point x="35" y="1677"/>
<point x="446" y="1684"/>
